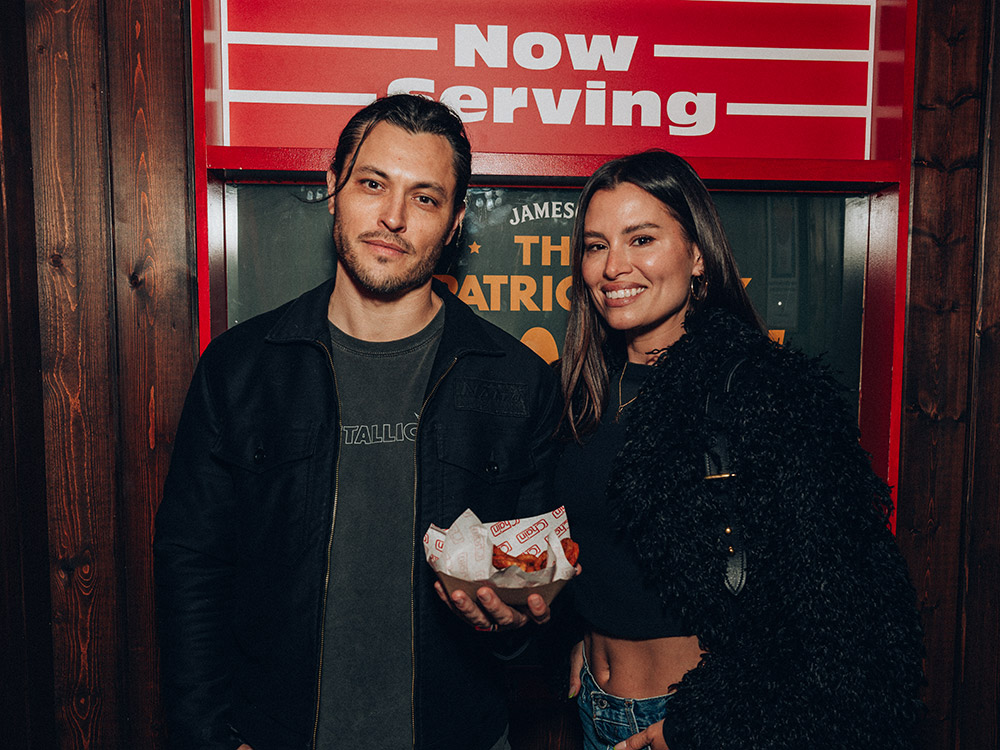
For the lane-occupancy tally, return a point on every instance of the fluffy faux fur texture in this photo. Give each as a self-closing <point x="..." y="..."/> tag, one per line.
<point x="822" y="649"/>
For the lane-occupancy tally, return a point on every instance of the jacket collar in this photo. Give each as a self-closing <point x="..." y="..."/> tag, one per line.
<point x="304" y="318"/>
<point x="304" y="321"/>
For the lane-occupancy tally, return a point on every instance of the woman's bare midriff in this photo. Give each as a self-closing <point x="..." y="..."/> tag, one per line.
<point x="640" y="669"/>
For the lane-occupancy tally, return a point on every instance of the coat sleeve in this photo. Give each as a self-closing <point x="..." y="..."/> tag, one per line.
<point x="536" y="493"/>
<point x="823" y="646"/>
<point x="194" y="566"/>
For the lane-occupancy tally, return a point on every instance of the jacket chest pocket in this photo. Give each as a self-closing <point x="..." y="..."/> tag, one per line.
<point x="483" y="468"/>
<point x="272" y="470"/>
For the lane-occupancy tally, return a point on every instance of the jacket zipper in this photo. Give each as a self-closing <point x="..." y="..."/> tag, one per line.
<point x="329" y="552"/>
<point x="413" y="558"/>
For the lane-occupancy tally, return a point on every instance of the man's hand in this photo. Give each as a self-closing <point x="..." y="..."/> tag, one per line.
<point x="487" y="612"/>
<point x="651" y="737"/>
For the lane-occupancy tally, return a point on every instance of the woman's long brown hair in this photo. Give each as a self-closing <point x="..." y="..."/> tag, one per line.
<point x="672" y="181"/>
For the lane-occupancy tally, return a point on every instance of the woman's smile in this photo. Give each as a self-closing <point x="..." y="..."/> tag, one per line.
<point x="637" y="264"/>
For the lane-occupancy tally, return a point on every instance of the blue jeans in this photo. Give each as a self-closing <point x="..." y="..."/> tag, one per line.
<point x="608" y="719"/>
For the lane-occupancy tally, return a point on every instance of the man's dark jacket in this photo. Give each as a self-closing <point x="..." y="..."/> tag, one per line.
<point x="242" y="534"/>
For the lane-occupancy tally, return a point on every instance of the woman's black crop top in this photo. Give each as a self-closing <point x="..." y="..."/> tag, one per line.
<point x="610" y="594"/>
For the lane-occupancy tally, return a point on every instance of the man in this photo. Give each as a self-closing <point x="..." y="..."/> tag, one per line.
<point x="317" y="444"/>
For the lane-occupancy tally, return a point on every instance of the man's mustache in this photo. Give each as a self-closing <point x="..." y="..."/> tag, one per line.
<point x="387" y="238"/>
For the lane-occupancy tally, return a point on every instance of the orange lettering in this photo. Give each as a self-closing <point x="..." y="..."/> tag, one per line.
<point x="547" y="293"/>
<point x="562" y="292"/>
<point x="472" y="294"/>
<point x="494" y="283"/>
<point x="562" y="248"/>
<point x="525" y="241"/>
<point x="522" y="288"/>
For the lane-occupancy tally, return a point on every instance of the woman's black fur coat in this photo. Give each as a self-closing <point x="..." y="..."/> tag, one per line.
<point x="822" y="648"/>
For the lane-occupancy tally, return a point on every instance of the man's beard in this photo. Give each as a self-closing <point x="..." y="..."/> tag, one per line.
<point x="383" y="285"/>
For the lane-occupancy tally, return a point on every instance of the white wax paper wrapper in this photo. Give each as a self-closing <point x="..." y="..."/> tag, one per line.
<point x="465" y="551"/>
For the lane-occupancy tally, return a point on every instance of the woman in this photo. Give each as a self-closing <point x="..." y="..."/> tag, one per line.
<point x="820" y="647"/>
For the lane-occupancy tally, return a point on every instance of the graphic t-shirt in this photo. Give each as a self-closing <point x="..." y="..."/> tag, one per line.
<point x="367" y="669"/>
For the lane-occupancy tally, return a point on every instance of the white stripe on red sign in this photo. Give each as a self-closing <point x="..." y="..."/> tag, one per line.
<point x="796" y="110"/>
<point x="301" y="97"/>
<point x="760" y="53"/>
<point x="346" y="41"/>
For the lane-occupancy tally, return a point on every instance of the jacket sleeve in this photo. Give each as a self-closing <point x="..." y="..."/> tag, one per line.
<point x="536" y="495"/>
<point x="194" y="566"/>
<point x="823" y="646"/>
<point x="536" y="492"/>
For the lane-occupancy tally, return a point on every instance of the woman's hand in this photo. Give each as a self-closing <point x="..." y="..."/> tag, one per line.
<point x="575" y="665"/>
<point x="651" y="736"/>
<point x="487" y="612"/>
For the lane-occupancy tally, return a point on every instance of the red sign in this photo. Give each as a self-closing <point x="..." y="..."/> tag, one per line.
<point x="700" y="77"/>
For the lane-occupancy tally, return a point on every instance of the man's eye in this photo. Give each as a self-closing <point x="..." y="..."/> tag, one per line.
<point x="371" y="184"/>
<point x="426" y="200"/>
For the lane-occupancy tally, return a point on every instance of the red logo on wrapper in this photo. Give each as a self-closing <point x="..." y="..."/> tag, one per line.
<point x="536" y="528"/>
<point x="454" y="554"/>
<point x="501" y="526"/>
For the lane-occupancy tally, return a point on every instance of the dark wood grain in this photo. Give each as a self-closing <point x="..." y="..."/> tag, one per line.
<point x="26" y="690"/>
<point x="154" y="263"/>
<point x="116" y="308"/>
<point x="72" y="209"/>
<point x="978" y="696"/>
<point x="934" y="479"/>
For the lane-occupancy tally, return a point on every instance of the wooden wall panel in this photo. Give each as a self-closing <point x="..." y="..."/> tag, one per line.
<point x="153" y="285"/>
<point x="26" y="693"/>
<point x="109" y="112"/>
<point x="72" y="212"/>
<point x="940" y="356"/>
<point x="979" y="680"/>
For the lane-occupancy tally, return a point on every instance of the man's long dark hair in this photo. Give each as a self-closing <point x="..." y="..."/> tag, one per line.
<point x="672" y="181"/>
<point x="416" y="115"/>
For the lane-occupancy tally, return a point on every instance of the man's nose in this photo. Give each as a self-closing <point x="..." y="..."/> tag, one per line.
<point x="393" y="216"/>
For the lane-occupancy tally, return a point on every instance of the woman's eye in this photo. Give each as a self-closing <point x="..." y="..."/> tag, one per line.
<point x="594" y="247"/>
<point x="643" y="240"/>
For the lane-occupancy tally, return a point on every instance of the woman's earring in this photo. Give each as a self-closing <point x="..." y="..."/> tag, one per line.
<point x="699" y="288"/>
